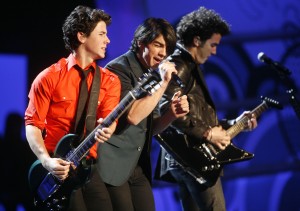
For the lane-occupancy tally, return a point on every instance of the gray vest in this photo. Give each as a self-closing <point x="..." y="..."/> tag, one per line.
<point x="118" y="157"/>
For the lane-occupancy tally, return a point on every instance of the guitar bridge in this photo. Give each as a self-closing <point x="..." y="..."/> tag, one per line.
<point x="208" y="150"/>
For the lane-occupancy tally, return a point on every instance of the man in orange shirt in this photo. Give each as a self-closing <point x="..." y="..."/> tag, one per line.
<point x="54" y="95"/>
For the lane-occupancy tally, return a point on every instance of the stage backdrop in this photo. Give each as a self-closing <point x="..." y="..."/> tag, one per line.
<point x="32" y="40"/>
<point x="270" y="181"/>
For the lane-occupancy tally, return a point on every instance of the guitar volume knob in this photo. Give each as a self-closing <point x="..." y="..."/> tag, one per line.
<point x="59" y="207"/>
<point x="204" y="168"/>
<point x="55" y="201"/>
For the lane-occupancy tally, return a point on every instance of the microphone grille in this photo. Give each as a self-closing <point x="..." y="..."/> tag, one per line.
<point x="260" y="56"/>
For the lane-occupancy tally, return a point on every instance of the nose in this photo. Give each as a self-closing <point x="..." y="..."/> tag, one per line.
<point x="214" y="51"/>
<point x="163" y="52"/>
<point x="107" y="40"/>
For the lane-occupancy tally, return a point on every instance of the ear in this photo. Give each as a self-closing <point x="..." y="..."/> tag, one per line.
<point x="197" y="41"/>
<point x="139" y="43"/>
<point x="81" y="37"/>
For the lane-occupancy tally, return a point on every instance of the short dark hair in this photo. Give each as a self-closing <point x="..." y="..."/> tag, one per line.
<point x="203" y="23"/>
<point x="150" y="29"/>
<point x="82" y="19"/>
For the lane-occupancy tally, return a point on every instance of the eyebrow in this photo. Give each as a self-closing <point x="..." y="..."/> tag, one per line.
<point x="157" y="42"/>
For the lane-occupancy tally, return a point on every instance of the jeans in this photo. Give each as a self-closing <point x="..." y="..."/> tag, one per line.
<point x="198" y="197"/>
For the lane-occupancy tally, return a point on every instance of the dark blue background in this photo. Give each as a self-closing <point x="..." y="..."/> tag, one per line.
<point x="32" y="40"/>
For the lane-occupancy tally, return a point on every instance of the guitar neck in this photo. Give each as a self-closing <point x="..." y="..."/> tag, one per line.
<point x="243" y="122"/>
<point x="80" y="151"/>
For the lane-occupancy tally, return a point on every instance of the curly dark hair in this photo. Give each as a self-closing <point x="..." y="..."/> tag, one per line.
<point x="82" y="19"/>
<point x="203" y="23"/>
<point x="150" y="29"/>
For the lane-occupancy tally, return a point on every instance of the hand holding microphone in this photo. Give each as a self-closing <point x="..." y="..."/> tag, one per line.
<point x="168" y="72"/>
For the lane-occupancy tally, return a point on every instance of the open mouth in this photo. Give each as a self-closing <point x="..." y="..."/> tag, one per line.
<point x="157" y="61"/>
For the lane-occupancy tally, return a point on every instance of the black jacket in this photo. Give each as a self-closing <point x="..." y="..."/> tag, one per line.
<point x="202" y="114"/>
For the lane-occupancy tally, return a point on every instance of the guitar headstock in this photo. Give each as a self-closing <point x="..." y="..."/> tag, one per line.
<point x="271" y="103"/>
<point x="147" y="84"/>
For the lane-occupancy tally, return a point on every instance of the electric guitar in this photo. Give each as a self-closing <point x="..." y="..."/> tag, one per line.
<point x="51" y="193"/>
<point x="204" y="161"/>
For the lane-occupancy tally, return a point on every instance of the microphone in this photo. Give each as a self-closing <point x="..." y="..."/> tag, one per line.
<point x="177" y="80"/>
<point x="265" y="59"/>
<point x="174" y="78"/>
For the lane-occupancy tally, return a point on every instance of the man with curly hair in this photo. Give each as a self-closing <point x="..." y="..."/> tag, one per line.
<point x="54" y="99"/>
<point x="199" y="33"/>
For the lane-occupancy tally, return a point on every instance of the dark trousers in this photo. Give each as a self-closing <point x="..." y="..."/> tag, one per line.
<point x="197" y="197"/>
<point x="93" y="196"/>
<point x="134" y="195"/>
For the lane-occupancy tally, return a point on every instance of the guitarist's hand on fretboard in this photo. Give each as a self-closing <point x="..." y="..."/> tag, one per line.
<point x="251" y="122"/>
<point x="102" y="134"/>
<point x="219" y="137"/>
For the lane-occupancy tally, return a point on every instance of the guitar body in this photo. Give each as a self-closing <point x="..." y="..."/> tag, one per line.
<point x="49" y="192"/>
<point x="203" y="160"/>
<point x="52" y="194"/>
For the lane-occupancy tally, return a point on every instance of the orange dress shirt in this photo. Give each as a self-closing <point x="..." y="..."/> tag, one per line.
<point x="53" y="100"/>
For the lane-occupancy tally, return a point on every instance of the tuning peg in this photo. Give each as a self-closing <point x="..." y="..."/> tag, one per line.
<point x="271" y="102"/>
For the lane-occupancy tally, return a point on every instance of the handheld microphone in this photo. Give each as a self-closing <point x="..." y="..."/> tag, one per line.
<point x="177" y="80"/>
<point x="265" y="59"/>
<point x="174" y="78"/>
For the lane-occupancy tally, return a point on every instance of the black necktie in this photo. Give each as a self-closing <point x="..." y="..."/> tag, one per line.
<point x="82" y="100"/>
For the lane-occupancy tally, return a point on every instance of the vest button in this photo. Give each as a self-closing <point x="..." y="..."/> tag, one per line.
<point x="139" y="148"/>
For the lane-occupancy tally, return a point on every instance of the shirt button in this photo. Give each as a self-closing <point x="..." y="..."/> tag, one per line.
<point x="64" y="98"/>
<point x="139" y="148"/>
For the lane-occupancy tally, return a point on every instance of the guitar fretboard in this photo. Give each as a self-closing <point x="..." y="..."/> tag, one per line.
<point x="76" y="155"/>
<point x="243" y="122"/>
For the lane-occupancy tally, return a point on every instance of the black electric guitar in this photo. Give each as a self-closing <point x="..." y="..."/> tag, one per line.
<point x="204" y="161"/>
<point x="52" y="194"/>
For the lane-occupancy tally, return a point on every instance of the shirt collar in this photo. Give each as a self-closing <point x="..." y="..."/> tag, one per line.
<point x="72" y="61"/>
